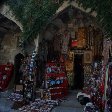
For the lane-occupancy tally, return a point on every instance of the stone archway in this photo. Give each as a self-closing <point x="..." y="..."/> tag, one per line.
<point x="9" y="36"/>
<point x="5" y="11"/>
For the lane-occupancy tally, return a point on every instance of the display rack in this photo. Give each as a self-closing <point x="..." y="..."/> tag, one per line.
<point x="55" y="80"/>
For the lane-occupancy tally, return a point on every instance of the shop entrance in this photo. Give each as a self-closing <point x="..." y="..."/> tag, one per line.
<point x="17" y="64"/>
<point x="78" y="71"/>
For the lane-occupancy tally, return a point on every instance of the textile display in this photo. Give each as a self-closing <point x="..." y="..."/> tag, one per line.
<point x="87" y="73"/>
<point x="90" y="107"/>
<point x="28" y="80"/>
<point x="70" y="77"/>
<point x="28" y="90"/>
<point x="69" y="63"/>
<point x="106" y="45"/>
<point x="95" y="86"/>
<point x="108" y="88"/>
<point x="40" y="105"/>
<point x="81" y="35"/>
<point x="87" y="69"/>
<point x="65" y="42"/>
<point x="90" y="37"/>
<point x="56" y="80"/>
<point x="6" y="73"/>
<point x="15" y="97"/>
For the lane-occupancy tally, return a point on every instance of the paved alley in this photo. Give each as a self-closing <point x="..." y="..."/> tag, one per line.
<point x="69" y="104"/>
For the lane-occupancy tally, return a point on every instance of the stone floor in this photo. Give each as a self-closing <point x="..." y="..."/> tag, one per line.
<point x="5" y="105"/>
<point x="69" y="104"/>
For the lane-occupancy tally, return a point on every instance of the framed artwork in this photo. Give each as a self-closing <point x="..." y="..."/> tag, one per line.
<point x="88" y="57"/>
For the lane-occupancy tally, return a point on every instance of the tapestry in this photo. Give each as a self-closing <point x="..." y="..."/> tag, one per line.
<point x="87" y="69"/>
<point x="70" y="78"/>
<point x="69" y="63"/>
<point x="81" y="37"/>
<point x="65" y="42"/>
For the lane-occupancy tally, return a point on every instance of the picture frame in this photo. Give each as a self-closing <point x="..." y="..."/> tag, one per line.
<point x="88" y="57"/>
<point x="18" y="88"/>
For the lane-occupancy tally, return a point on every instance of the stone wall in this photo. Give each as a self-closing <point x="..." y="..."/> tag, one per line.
<point x="9" y="48"/>
<point x="5" y="10"/>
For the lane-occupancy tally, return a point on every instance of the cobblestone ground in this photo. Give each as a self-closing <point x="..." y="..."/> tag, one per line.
<point x="69" y="104"/>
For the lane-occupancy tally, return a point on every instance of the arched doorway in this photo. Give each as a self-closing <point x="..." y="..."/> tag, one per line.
<point x="78" y="71"/>
<point x="17" y="64"/>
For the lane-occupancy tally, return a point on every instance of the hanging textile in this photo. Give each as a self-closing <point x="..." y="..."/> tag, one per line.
<point x="108" y="89"/>
<point x="106" y="80"/>
<point x="69" y="63"/>
<point x="81" y="37"/>
<point x="106" y="45"/>
<point x="65" y="42"/>
<point x="90" y="36"/>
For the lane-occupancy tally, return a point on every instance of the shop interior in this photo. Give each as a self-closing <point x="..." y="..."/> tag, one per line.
<point x="72" y="37"/>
